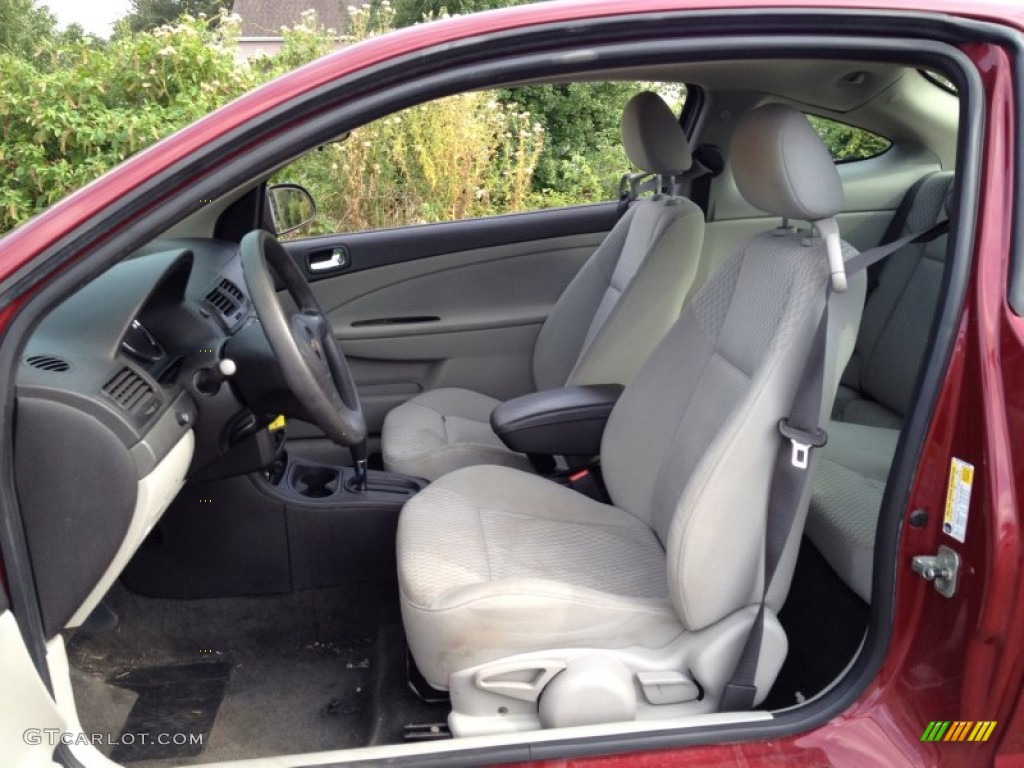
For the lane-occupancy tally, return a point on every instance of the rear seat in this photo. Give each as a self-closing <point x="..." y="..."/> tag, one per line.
<point x="877" y="389"/>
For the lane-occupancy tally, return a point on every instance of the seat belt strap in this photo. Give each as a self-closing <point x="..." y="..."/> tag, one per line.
<point x="801" y="432"/>
<point x="899" y="220"/>
<point x="875" y="255"/>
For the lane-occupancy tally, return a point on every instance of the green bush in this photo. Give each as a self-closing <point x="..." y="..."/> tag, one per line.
<point x="458" y="157"/>
<point x="844" y="142"/>
<point x="462" y="156"/>
<point x="74" y="107"/>
<point x="79" y="107"/>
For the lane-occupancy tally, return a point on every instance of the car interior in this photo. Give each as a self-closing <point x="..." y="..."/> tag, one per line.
<point x="372" y="494"/>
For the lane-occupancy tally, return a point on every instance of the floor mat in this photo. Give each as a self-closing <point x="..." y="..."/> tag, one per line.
<point x="174" y="711"/>
<point x="309" y="671"/>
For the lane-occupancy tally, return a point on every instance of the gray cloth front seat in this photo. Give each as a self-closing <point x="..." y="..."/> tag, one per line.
<point x="508" y="580"/>
<point x="602" y="328"/>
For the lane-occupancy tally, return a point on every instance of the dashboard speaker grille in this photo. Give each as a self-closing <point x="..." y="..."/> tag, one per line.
<point x="49" y="363"/>
<point x="128" y="389"/>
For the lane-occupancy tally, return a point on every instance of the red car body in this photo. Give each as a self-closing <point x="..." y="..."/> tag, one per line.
<point x="960" y="659"/>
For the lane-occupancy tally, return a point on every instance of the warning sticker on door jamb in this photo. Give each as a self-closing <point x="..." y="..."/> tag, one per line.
<point x="958" y="499"/>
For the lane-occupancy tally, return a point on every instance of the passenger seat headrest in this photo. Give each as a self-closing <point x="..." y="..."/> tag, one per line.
<point x="652" y="136"/>
<point x="782" y="167"/>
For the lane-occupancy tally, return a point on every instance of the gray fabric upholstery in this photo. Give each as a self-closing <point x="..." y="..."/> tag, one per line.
<point x="876" y="394"/>
<point x="600" y="331"/>
<point x="842" y="520"/>
<point x="777" y="164"/>
<point x="851" y="406"/>
<point x="494" y="562"/>
<point x="652" y="136"/>
<point x="624" y="299"/>
<point x="897" y="318"/>
<point x="443" y="430"/>
<point x="847" y="493"/>
<point x="726" y="373"/>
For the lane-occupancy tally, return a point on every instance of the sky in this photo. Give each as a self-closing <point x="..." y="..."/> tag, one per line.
<point x="96" y="16"/>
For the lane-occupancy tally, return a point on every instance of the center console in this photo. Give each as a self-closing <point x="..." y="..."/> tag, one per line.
<point x="310" y="482"/>
<point x="301" y="524"/>
<point x="340" y="527"/>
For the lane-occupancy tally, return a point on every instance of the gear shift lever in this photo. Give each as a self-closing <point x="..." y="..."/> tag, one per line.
<point x="359" y="462"/>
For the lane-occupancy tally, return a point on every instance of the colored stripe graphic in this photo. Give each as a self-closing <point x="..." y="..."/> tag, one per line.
<point x="959" y="730"/>
<point x="985" y="728"/>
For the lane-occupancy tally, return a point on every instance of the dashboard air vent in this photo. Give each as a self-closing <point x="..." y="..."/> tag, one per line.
<point x="49" y="363"/>
<point x="227" y="299"/>
<point x="128" y="389"/>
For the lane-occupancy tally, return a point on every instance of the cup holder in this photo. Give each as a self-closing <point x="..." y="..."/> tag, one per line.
<point x="315" y="482"/>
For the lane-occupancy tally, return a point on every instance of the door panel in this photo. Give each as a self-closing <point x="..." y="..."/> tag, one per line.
<point x="504" y="285"/>
<point x="377" y="248"/>
<point x="413" y="317"/>
<point x="495" y="361"/>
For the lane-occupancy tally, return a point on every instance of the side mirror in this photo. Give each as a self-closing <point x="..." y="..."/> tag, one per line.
<point x="291" y="206"/>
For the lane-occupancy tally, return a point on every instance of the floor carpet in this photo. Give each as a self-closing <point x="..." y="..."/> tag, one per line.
<point x="825" y="622"/>
<point x="258" y="676"/>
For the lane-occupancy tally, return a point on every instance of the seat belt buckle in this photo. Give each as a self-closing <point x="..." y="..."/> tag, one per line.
<point x="584" y="481"/>
<point x="802" y="442"/>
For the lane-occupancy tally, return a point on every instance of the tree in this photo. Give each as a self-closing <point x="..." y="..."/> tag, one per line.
<point x="73" y="32"/>
<point x="149" y="14"/>
<point x="24" y="26"/>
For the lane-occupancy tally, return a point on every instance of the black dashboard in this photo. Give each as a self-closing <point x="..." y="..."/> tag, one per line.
<point x="109" y="420"/>
<point x="116" y="348"/>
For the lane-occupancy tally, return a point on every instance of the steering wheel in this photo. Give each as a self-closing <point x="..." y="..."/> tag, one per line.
<point x="312" y="363"/>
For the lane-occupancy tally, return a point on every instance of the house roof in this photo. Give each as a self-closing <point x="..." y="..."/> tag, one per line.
<point x="264" y="18"/>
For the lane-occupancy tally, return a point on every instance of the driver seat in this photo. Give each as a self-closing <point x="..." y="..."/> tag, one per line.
<point x="538" y="607"/>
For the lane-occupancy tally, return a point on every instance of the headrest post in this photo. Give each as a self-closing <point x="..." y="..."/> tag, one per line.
<point x="829" y="230"/>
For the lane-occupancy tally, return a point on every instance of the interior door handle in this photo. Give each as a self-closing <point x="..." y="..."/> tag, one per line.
<point x="333" y="260"/>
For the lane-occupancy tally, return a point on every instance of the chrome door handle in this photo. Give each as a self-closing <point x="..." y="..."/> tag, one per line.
<point x="329" y="261"/>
